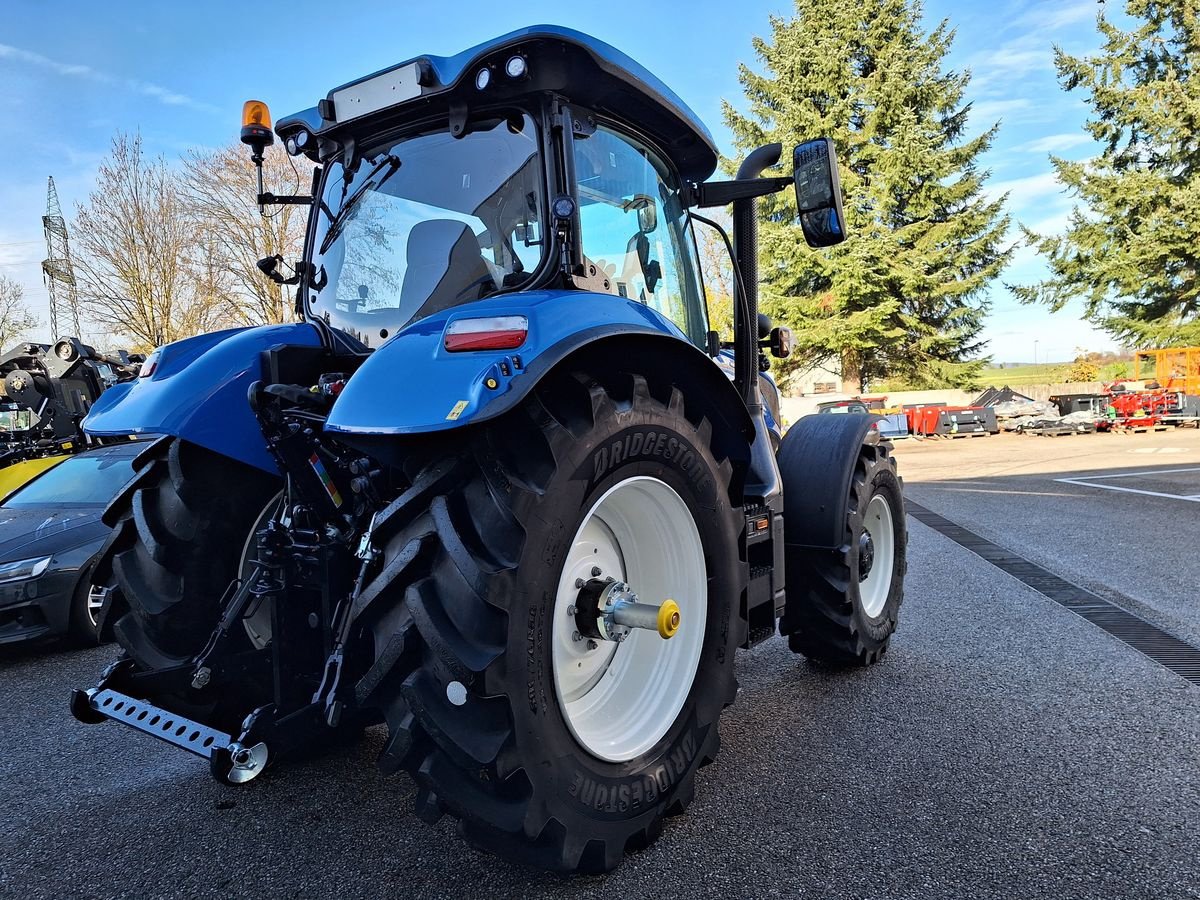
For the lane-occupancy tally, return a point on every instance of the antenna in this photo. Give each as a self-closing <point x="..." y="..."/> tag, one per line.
<point x="57" y="270"/>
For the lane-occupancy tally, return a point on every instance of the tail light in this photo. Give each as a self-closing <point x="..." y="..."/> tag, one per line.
<point x="491" y="333"/>
<point x="149" y="365"/>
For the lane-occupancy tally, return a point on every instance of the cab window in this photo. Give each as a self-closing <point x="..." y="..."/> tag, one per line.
<point x="635" y="229"/>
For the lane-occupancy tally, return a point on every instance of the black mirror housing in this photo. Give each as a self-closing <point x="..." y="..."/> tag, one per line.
<point x="712" y="342"/>
<point x="764" y="326"/>
<point x="819" y="193"/>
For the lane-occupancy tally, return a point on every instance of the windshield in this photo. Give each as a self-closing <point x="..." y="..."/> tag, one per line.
<point x="85" y="480"/>
<point x="430" y="222"/>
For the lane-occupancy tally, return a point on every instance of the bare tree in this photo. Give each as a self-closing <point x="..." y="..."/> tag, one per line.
<point x="15" y="317"/>
<point x="134" y="242"/>
<point x="221" y="187"/>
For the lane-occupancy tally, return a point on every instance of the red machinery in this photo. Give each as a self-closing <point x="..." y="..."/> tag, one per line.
<point x="950" y="421"/>
<point x="1138" y="408"/>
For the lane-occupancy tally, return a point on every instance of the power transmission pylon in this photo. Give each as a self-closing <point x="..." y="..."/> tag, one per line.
<point x="57" y="270"/>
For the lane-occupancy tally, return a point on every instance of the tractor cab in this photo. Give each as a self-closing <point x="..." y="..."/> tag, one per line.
<point x="510" y="167"/>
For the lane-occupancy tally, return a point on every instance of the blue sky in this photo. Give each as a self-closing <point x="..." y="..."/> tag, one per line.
<point x="72" y="73"/>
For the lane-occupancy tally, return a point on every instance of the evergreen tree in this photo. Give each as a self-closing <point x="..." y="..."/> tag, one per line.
<point x="904" y="296"/>
<point x="1132" y="246"/>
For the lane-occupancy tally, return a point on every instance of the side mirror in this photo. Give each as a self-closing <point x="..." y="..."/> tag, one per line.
<point x="764" y="326"/>
<point x="819" y="193"/>
<point x="647" y="212"/>
<point x="269" y="266"/>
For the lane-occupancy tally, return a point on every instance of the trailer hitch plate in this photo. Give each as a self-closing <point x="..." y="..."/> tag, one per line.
<point x="95" y="705"/>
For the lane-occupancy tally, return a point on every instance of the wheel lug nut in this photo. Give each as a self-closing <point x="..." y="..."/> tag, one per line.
<point x="579" y="582"/>
<point x="576" y="636"/>
<point x="592" y="645"/>
<point x="595" y="572"/>
<point x="571" y="611"/>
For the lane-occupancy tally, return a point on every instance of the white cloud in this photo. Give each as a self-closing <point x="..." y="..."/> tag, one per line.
<point x="1055" y="224"/>
<point x="1042" y="188"/>
<point x="77" y="70"/>
<point x="1056" y="143"/>
<point x="990" y="110"/>
<point x="1055" y="14"/>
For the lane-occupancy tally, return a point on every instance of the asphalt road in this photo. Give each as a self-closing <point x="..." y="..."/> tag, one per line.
<point x="1119" y="514"/>
<point x="1004" y="748"/>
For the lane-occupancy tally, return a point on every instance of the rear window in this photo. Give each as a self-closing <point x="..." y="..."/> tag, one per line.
<point x="85" y="480"/>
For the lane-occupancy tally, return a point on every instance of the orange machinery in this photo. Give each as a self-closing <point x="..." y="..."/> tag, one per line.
<point x="1174" y="368"/>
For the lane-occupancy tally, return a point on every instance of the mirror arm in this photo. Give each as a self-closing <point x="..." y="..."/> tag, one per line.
<point x="267" y="198"/>
<point x="722" y="193"/>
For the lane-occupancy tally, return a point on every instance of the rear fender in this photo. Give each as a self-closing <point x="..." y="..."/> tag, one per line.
<point x="816" y="461"/>
<point x="197" y="391"/>
<point x="413" y="385"/>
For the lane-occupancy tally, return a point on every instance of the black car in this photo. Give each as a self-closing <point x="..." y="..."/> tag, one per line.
<point x="50" y="534"/>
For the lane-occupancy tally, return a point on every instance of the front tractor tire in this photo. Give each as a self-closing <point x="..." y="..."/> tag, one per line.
<point x="180" y="528"/>
<point x="844" y="604"/>
<point x="550" y="746"/>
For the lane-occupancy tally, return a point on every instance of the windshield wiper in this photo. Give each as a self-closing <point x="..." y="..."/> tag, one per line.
<point x="392" y="163"/>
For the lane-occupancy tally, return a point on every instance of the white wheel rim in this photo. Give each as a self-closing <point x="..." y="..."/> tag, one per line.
<point x="258" y="623"/>
<point x="873" y="590"/>
<point x="95" y="602"/>
<point x="619" y="700"/>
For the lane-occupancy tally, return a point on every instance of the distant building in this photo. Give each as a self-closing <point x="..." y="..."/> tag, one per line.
<point x="820" y="378"/>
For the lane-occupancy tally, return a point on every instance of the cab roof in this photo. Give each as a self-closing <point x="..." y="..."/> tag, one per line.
<point x="584" y="70"/>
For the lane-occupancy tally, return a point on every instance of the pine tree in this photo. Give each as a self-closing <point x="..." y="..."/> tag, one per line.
<point x="905" y="295"/>
<point x="1131" y="250"/>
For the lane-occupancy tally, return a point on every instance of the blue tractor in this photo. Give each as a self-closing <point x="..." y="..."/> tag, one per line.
<point x="500" y="488"/>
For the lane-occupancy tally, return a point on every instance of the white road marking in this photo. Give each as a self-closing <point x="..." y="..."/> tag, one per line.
<point x="1136" y="474"/>
<point x="958" y="490"/>
<point x="1087" y="481"/>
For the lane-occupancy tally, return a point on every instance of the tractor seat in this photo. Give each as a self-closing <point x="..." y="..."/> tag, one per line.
<point x="445" y="268"/>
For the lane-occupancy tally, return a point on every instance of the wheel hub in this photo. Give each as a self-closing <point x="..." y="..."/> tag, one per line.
<point x="609" y="610"/>
<point x="866" y="555"/>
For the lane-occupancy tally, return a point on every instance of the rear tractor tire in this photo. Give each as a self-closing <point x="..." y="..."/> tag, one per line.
<point x="843" y="605"/>
<point x="552" y="747"/>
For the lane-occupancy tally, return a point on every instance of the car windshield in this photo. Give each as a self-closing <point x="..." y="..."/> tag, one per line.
<point x="90" y="479"/>
<point x="427" y="223"/>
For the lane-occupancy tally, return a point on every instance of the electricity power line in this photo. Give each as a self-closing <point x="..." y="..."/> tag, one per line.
<point x="57" y="270"/>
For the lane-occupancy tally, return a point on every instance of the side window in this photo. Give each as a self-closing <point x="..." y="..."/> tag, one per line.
<point x="635" y="229"/>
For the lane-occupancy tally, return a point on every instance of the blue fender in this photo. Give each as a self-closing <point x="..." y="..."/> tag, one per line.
<point x="197" y="391"/>
<point x="413" y="384"/>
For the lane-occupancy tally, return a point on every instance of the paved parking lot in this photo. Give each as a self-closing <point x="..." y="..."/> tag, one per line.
<point x="1115" y="513"/>
<point x="1004" y="748"/>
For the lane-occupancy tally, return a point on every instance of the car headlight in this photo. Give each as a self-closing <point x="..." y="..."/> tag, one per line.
<point x="23" y="569"/>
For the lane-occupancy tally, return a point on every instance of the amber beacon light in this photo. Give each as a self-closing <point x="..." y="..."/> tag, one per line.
<point x="256" y="125"/>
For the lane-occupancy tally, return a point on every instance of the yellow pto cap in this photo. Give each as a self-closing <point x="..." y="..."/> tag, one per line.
<point x="668" y="619"/>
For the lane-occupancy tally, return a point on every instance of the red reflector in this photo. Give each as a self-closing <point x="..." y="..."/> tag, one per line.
<point x="493" y="333"/>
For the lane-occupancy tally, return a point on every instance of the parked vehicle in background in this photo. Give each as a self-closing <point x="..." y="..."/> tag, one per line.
<point x="45" y="391"/>
<point x="50" y="536"/>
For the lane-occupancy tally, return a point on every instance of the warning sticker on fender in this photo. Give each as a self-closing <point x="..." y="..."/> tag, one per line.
<point x="457" y="410"/>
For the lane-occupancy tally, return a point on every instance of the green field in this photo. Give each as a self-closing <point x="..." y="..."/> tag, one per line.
<point x="1044" y="373"/>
